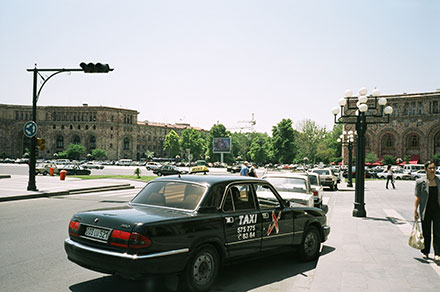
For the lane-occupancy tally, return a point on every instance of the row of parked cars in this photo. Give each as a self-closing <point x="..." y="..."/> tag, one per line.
<point x="71" y="168"/>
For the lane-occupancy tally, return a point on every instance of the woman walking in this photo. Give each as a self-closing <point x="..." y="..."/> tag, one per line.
<point x="390" y="176"/>
<point x="427" y="207"/>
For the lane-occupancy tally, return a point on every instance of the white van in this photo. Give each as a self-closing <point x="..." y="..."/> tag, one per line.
<point x="124" y="162"/>
<point x="410" y="168"/>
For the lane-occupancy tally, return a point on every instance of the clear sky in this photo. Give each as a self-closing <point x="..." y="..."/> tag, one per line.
<point x="203" y="62"/>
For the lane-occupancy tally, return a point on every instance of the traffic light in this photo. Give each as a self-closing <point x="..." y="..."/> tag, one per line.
<point x="95" y="68"/>
<point x="40" y="143"/>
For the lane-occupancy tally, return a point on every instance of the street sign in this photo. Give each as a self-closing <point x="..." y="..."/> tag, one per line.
<point x="30" y="129"/>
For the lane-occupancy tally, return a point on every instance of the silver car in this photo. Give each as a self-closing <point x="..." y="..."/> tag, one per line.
<point x="293" y="187"/>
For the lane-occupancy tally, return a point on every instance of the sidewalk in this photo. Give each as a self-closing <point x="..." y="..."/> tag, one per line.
<point x="372" y="253"/>
<point x="14" y="187"/>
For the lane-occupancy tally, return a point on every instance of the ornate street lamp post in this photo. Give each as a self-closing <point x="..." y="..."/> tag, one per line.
<point x="360" y="111"/>
<point x="347" y="139"/>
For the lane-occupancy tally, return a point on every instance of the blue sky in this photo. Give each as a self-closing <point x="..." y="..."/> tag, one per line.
<point x="204" y="62"/>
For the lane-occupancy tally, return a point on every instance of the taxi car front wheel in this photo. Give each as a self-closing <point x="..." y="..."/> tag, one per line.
<point x="201" y="269"/>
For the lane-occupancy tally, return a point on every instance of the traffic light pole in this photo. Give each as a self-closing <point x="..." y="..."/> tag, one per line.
<point x="88" y="68"/>
<point x="31" y="184"/>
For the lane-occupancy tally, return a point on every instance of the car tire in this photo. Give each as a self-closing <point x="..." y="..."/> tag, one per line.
<point x="201" y="270"/>
<point x="310" y="245"/>
<point x="332" y="187"/>
<point x="45" y="173"/>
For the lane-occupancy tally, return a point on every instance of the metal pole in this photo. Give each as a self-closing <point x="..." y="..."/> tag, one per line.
<point x="359" y="205"/>
<point x="350" y="164"/>
<point x="31" y="183"/>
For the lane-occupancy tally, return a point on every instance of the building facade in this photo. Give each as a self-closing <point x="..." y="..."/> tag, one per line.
<point x="413" y="131"/>
<point x="115" y="130"/>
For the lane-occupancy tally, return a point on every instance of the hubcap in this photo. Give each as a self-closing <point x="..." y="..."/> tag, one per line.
<point x="310" y="244"/>
<point x="203" y="268"/>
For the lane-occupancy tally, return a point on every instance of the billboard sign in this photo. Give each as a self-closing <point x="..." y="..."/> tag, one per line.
<point x="221" y="145"/>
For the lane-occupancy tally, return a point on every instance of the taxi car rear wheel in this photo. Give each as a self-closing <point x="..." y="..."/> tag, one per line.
<point x="310" y="246"/>
<point x="201" y="269"/>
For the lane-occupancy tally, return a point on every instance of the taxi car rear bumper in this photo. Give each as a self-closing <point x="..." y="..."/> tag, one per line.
<point x="126" y="265"/>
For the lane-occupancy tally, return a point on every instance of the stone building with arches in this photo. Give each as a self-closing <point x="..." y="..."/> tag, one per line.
<point x="413" y="130"/>
<point x="115" y="130"/>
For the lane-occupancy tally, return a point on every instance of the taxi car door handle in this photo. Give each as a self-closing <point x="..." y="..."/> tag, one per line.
<point x="229" y="220"/>
<point x="265" y="215"/>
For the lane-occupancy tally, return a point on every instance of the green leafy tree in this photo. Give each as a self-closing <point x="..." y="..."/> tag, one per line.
<point x="149" y="154"/>
<point x="259" y="149"/>
<point x="283" y="142"/>
<point x="99" y="154"/>
<point x="436" y="159"/>
<point x="310" y="136"/>
<point x="172" y="144"/>
<point x="75" y="151"/>
<point x="193" y="140"/>
<point x="371" y="157"/>
<point x="389" y="159"/>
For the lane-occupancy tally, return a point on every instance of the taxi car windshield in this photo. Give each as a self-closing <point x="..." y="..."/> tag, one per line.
<point x="288" y="184"/>
<point x="179" y="195"/>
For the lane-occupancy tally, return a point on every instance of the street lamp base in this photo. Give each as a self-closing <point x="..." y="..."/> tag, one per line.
<point x="32" y="188"/>
<point x="359" y="210"/>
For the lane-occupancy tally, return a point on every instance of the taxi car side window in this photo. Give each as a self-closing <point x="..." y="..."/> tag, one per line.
<point x="266" y="197"/>
<point x="239" y="197"/>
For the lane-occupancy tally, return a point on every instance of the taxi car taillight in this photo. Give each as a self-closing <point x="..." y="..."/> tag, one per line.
<point x="315" y="193"/>
<point x="74" y="228"/>
<point x="129" y="240"/>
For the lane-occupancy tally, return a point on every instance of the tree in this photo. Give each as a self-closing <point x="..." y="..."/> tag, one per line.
<point x="310" y="135"/>
<point x="99" y="154"/>
<point x="283" y="142"/>
<point x="371" y="157"/>
<point x="74" y="151"/>
<point x="389" y="159"/>
<point x="259" y="149"/>
<point x="172" y="144"/>
<point x="193" y="140"/>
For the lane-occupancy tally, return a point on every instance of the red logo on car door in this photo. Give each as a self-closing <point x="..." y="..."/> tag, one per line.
<point x="274" y="223"/>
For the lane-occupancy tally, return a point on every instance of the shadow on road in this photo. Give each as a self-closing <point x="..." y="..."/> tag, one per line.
<point x="234" y="277"/>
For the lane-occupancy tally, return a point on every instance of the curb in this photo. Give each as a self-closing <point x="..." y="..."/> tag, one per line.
<point x="67" y="192"/>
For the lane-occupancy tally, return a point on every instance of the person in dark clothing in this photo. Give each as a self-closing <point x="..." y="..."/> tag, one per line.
<point x="427" y="207"/>
<point x="390" y="176"/>
<point x="253" y="171"/>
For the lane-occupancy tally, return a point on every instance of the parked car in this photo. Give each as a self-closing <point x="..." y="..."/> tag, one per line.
<point x="327" y="177"/>
<point x="189" y="225"/>
<point x="92" y="165"/>
<point x="72" y="169"/>
<point x="44" y="168"/>
<point x="317" y="189"/>
<point x="234" y="168"/>
<point x="152" y="165"/>
<point x="400" y="174"/>
<point x="293" y="187"/>
<point x="168" y="170"/>
<point x="422" y="174"/>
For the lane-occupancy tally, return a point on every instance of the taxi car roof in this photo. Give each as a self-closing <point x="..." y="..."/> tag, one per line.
<point x="209" y="179"/>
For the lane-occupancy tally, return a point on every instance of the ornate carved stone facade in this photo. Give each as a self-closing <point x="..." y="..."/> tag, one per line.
<point x="115" y="130"/>
<point x="413" y="130"/>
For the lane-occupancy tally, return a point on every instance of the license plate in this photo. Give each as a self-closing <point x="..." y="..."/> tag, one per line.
<point x="97" y="233"/>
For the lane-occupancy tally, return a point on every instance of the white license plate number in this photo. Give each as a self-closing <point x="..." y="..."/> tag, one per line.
<point x="97" y="233"/>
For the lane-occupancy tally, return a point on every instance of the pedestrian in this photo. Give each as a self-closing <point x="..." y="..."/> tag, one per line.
<point x="427" y="207"/>
<point x="390" y="176"/>
<point x="253" y="171"/>
<point x="244" y="169"/>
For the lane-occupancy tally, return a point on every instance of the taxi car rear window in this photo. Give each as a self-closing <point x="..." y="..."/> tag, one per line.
<point x="179" y="195"/>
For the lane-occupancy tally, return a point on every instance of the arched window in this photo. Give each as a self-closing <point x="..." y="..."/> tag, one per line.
<point x="126" y="144"/>
<point x="92" y="142"/>
<point x="76" y="139"/>
<point x="413" y="142"/>
<point x="388" y="141"/>
<point x="60" y="142"/>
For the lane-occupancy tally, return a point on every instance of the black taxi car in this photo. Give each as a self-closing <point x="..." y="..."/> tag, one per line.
<point x="191" y="225"/>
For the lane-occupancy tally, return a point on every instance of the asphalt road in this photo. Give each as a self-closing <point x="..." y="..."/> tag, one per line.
<point x="23" y="169"/>
<point x="33" y="258"/>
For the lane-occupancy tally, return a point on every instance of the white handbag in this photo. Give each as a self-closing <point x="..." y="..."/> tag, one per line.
<point x="416" y="239"/>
